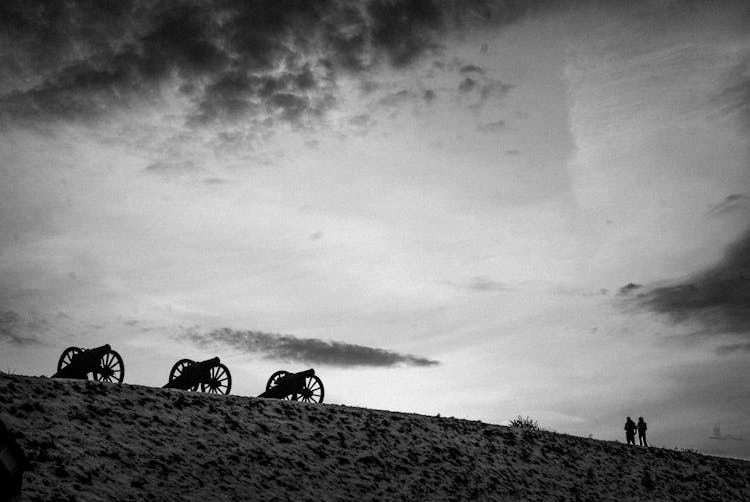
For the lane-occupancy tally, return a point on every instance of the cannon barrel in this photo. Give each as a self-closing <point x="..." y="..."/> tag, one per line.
<point x="96" y="352"/>
<point x="203" y="365"/>
<point x="305" y="374"/>
<point x="211" y="362"/>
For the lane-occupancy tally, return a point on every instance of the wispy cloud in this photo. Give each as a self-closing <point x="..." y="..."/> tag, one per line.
<point x="734" y="98"/>
<point x="480" y="283"/>
<point x="169" y="169"/>
<point x="307" y="350"/>
<point x="732" y="348"/>
<point x="17" y="330"/>
<point x="497" y="126"/>
<point x="732" y="203"/>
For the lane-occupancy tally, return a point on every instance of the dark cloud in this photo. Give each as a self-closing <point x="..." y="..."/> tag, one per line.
<point x="174" y="168"/>
<point x="287" y="97"/>
<point x="347" y="36"/>
<point x="16" y="330"/>
<point x="265" y="59"/>
<point x="467" y="85"/>
<point x="226" y="54"/>
<point x="730" y="204"/>
<point x="229" y="97"/>
<point x="718" y="298"/>
<point x="629" y="288"/>
<point x="471" y="69"/>
<point x="304" y="350"/>
<point x="405" y="30"/>
<point x="732" y="348"/>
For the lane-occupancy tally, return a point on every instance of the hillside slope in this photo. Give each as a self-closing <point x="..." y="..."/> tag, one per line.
<point x="90" y="441"/>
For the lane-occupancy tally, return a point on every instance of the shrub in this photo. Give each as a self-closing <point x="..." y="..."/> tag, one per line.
<point x="525" y="423"/>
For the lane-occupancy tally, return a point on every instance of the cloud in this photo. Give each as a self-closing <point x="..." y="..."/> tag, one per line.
<point x="732" y="203"/>
<point x="470" y="68"/>
<point x="734" y="98"/>
<point x="304" y="350"/>
<point x="629" y="288"/>
<point x="467" y="85"/>
<point x="476" y="90"/>
<point x="718" y="298"/>
<point x="497" y="126"/>
<point x="405" y="30"/>
<point x="81" y="60"/>
<point x="479" y="283"/>
<point x="231" y="59"/>
<point x="732" y="348"/>
<point x="165" y="168"/>
<point x="289" y="96"/>
<point x="16" y="330"/>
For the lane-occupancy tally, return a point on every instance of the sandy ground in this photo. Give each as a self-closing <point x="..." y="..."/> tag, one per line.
<point x="90" y="441"/>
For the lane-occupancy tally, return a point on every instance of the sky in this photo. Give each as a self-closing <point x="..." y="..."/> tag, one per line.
<point x="479" y="209"/>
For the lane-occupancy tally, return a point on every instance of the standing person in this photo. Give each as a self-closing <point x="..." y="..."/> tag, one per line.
<point x="630" y="431"/>
<point x="642" y="432"/>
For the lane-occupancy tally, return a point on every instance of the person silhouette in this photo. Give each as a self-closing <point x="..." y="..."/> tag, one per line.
<point x="630" y="428"/>
<point x="642" y="432"/>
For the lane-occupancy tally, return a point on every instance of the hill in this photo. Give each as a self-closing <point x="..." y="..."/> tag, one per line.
<point x="91" y="441"/>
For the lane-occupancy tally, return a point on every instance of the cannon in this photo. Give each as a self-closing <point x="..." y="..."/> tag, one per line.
<point x="104" y="363"/>
<point x="302" y="386"/>
<point x="212" y="376"/>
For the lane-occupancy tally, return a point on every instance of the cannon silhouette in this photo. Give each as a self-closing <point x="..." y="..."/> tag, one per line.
<point x="303" y="386"/>
<point x="104" y="363"/>
<point x="210" y="375"/>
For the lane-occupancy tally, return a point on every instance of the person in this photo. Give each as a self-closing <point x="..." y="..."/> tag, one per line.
<point x="630" y="431"/>
<point x="642" y="432"/>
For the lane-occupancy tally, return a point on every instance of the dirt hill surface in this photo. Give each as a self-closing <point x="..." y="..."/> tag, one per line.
<point x="89" y="441"/>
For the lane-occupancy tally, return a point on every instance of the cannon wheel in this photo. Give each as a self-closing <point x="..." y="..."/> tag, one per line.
<point x="67" y="356"/>
<point x="111" y="368"/>
<point x="275" y="379"/>
<point x="220" y="381"/>
<point x="312" y="390"/>
<point x="179" y="367"/>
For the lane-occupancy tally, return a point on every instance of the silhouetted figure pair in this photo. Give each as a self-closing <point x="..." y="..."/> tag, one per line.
<point x="631" y="427"/>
